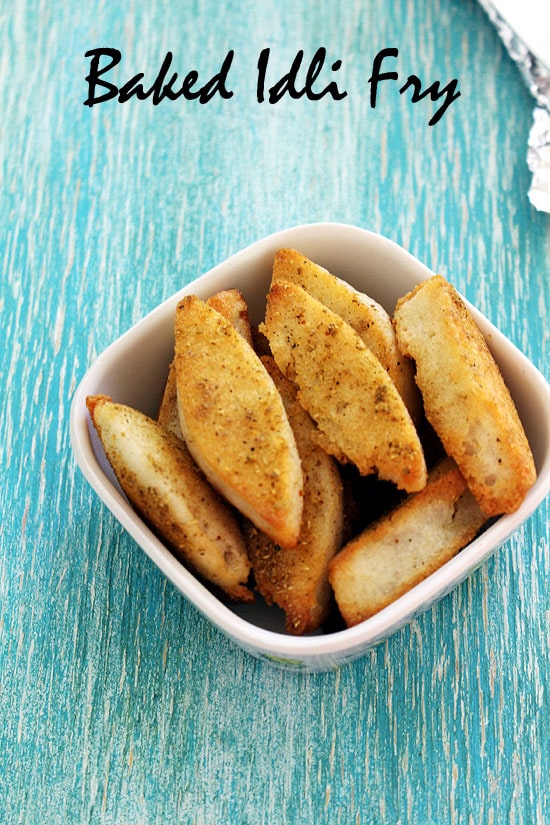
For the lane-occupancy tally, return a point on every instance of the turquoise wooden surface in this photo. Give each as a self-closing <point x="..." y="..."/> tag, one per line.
<point x="118" y="702"/>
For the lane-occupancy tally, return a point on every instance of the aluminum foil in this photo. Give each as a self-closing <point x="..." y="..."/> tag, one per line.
<point x="524" y="27"/>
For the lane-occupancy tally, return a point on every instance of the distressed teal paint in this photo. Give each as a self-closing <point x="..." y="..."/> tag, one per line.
<point x="118" y="702"/>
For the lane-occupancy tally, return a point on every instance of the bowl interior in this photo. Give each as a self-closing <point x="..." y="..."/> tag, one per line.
<point x="133" y="371"/>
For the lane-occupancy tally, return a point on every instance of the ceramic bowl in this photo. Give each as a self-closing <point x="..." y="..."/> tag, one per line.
<point x="133" y="370"/>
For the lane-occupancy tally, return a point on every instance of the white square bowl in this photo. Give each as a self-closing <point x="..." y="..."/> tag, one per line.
<point x="133" y="371"/>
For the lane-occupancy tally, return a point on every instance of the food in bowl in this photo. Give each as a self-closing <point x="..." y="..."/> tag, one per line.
<point x="133" y="371"/>
<point x="235" y="469"/>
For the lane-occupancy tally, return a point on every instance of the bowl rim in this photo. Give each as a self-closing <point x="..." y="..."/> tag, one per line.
<point x="247" y="634"/>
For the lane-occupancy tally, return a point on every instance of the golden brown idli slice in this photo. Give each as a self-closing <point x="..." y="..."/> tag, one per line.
<point x="367" y="317"/>
<point x="231" y="303"/>
<point x="234" y="423"/>
<point x="168" y="414"/>
<point x="297" y="579"/>
<point x="465" y="397"/>
<point x="161" y="480"/>
<point x="404" y="547"/>
<point x="359" y="413"/>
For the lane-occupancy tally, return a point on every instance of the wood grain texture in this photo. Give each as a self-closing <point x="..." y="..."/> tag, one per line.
<point x="118" y="702"/>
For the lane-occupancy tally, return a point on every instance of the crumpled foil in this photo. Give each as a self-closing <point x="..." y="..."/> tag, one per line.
<point x="538" y="159"/>
<point x="532" y="56"/>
